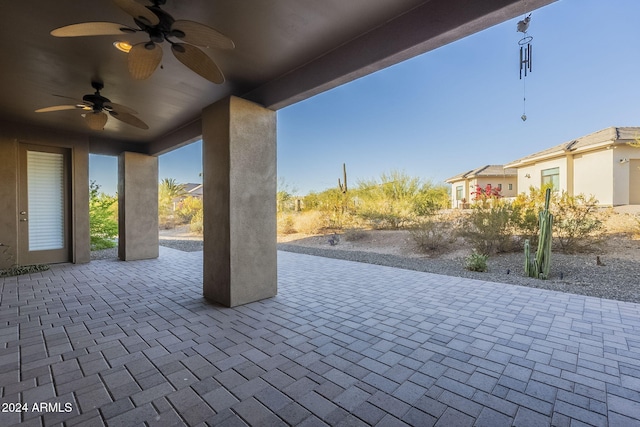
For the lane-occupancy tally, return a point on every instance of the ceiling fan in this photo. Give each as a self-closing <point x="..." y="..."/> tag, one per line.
<point x="144" y="57"/>
<point x="94" y="108"/>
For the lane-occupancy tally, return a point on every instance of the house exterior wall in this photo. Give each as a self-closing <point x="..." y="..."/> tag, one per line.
<point x="10" y="139"/>
<point x="626" y="175"/>
<point x="593" y="175"/>
<point x="469" y="185"/>
<point x="531" y="175"/>
<point x="455" y="201"/>
<point x="496" y="181"/>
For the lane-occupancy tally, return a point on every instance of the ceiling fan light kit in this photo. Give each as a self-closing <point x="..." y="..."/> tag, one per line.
<point x="95" y="108"/>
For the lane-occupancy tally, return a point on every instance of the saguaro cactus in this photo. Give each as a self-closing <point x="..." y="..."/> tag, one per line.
<point x="540" y="265"/>
<point x="341" y="186"/>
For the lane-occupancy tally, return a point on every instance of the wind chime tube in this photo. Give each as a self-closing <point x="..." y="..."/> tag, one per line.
<point x="530" y="56"/>
<point x="520" y="62"/>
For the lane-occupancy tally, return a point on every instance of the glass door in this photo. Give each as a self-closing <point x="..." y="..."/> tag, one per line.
<point x="43" y="209"/>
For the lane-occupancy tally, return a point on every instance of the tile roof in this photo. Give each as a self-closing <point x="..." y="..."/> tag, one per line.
<point x="616" y="135"/>
<point x="487" y="170"/>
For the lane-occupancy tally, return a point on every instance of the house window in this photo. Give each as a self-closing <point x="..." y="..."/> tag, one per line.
<point x="459" y="194"/>
<point x="510" y="186"/>
<point x="551" y="176"/>
<point x="500" y="187"/>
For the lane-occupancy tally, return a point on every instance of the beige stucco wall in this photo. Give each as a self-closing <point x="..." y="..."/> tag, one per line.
<point x="495" y="181"/>
<point x="455" y="203"/>
<point x="593" y="175"/>
<point x="626" y="175"/>
<point x="535" y="174"/>
<point x="469" y="185"/>
<point x="10" y="139"/>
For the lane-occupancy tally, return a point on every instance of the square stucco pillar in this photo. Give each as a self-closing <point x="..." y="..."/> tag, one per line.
<point x="239" y="160"/>
<point x="137" y="206"/>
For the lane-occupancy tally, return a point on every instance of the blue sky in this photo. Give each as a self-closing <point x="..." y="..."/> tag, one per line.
<point x="458" y="107"/>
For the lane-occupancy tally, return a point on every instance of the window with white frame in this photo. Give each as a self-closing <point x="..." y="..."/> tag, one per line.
<point x="551" y="176"/>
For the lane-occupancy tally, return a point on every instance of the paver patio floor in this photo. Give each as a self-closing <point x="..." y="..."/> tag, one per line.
<point x="134" y="343"/>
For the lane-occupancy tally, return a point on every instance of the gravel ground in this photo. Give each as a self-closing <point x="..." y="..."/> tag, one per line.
<point x="618" y="279"/>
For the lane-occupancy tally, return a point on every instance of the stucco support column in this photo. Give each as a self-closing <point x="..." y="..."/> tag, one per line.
<point x="137" y="206"/>
<point x="239" y="160"/>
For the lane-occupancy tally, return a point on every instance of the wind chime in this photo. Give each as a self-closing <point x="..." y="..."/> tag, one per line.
<point x="525" y="59"/>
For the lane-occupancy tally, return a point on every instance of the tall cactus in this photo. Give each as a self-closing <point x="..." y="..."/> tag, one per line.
<point x="343" y="187"/>
<point x="540" y="265"/>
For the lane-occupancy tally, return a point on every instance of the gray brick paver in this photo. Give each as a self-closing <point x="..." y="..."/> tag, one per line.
<point x="380" y="345"/>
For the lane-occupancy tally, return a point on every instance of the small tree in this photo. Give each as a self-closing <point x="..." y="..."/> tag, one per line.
<point x="168" y="193"/>
<point x="103" y="223"/>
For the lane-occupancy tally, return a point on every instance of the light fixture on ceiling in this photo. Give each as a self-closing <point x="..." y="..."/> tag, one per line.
<point x="122" y="46"/>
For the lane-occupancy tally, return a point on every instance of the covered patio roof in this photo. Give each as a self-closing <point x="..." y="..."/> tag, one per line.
<point x="285" y="51"/>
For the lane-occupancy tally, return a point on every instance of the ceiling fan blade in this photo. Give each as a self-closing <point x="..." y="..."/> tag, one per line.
<point x="198" y="61"/>
<point x="91" y="29"/>
<point x="201" y="35"/>
<point x="138" y="11"/>
<point x="142" y="61"/>
<point x="118" y="109"/>
<point x="96" y="121"/>
<point x="56" y="108"/>
<point x="130" y="119"/>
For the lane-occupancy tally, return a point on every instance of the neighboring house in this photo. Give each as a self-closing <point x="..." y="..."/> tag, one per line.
<point x="602" y="164"/>
<point x="193" y="190"/>
<point x="497" y="176"/>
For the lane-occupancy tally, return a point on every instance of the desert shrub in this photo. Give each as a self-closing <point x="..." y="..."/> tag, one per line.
<point x="389" y="203"/>
<point x="526" y="209"/>
<point x="187" y="208"/>
<point x="286" y="223"/>
<point x="311" y="222"/>
<point x="168" y="192"/>
<point x="386" y="216"/>
<point x="197" y="222"/>
<point x="354" y="234"/>
<point x="489" y="228"/>
<point x="432" y="233"/>
<point x="577" y="224"/>
<point x="103" y="218"/>
<point x="636" y="230"/>
<point x="476" y="262"/>
<point x="431" y="199"/>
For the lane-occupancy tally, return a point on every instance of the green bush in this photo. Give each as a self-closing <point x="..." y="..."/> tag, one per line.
<point x="103" y="218"/>
<point x="490" y="228"/>
<point x="432" y="234"/>
<point x="577" y="224"/>
<point x="526" y="208"/>
<point x="476" y="262"/>
<point x="197" y="222"/>
<point x="188" y="208"/>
